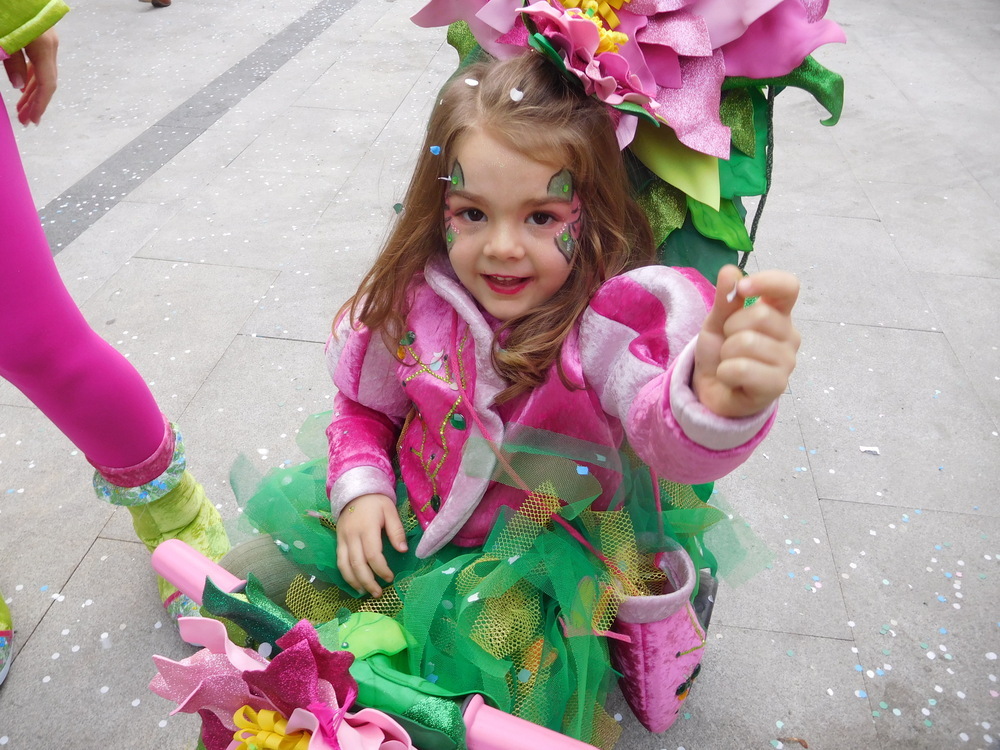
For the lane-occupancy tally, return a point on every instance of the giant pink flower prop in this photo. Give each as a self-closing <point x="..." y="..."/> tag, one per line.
<point x="667" y="56"/>
<point x="307" y="685"/>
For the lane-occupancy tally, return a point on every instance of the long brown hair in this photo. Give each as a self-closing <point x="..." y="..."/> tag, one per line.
<point x="554" y="122"/>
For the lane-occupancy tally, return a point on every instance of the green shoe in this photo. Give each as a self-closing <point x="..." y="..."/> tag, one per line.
<point x="6" y="639"/>
<point x="184" y="513"/>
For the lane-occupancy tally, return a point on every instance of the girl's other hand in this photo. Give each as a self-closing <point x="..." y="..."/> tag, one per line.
<point x="359" y="541"/>
<point x="745" y="355"/>
<point x="33" y="72"/>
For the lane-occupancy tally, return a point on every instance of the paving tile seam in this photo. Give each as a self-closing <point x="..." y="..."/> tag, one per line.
<point x="922" y="508"/>
<point x="282" y="338"/>
<point x="817" y="636"/>
<point x="875" y="326"/>
<point x="69" y="215"/>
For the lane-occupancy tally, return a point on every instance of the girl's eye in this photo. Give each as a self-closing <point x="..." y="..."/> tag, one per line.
<point x="472" y="214"/>
<point x="540" y="218"/>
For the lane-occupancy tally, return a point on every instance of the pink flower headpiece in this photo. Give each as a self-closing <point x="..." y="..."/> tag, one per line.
<point x="661" y="60"/>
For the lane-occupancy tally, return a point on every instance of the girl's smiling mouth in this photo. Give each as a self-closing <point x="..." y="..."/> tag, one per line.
<point x="505" y="284"/>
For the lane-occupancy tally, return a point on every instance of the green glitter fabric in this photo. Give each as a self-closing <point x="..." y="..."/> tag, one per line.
<point x="826" y="86"/>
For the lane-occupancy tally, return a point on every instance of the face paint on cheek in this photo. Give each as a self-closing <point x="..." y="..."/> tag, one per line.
<point x="561" y="186"/>
<point x="455" y="181"/>
<point x="450" y="233"/>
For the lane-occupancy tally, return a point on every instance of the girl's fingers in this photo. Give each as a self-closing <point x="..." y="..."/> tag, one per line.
<point x="394" y="530"/>
<point x="375" y="560"/>
<point x="779" y="289"/>
<point x="344" y="565"/>
<point x="752" y="381"/>
<point x="763" y="318"/>
<point x="757" y="346"/>
<point x="362" y="571"/>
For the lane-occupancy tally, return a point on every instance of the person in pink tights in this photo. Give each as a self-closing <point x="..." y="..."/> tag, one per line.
<point x="50" y="353"/>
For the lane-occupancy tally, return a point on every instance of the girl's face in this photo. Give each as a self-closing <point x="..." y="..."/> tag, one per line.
<point x="511" y="225"/>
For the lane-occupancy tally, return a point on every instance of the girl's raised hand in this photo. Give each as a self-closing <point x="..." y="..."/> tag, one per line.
<point x="359" y="541"/>
<point x="745" y="355"/>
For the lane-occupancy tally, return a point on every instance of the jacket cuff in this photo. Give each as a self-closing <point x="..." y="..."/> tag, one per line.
<point x="361" y="480"/>
<point x="699" y="423"/>
<point x="21" y="25"/>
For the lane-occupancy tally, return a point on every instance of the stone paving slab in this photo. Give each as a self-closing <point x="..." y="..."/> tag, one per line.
<point x="269" y="144"/>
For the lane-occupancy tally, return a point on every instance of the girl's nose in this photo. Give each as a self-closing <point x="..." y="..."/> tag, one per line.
<point x="504" y="242"/>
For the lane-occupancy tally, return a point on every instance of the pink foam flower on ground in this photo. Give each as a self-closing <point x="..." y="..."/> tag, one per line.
<point x="307" y="687"/>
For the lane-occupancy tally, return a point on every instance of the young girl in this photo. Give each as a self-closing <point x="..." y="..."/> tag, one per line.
<point x="52" y="355"/>
<point x="508" y="368"/>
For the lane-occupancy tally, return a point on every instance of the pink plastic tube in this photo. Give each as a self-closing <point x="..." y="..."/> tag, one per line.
<point x="187" y="569"/>
<point x="488" y="728"/>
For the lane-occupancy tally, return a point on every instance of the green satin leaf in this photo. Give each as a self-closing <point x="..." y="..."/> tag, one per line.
<point x="642" y="113"/>
<point x="365" y="634"/>
<point x="685" y="247"/>
<point x="665" y="207"/>
<point x="690" y="171"/>
<point x="540" y="43"/>
<point x="742" y="174"/>
<point x="826" y="86"/>
<point x="726" y="224"/>
<point x="736" y="113"/>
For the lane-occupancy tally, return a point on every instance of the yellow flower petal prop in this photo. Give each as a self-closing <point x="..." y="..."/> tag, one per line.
<point x="603" y="9"/>
<point x="695" y="173"/>
<point x="265" y="730"/>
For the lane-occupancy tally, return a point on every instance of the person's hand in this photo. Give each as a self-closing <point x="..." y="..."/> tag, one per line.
<point x="359" y="541"/>
<point x="33" y="72"/>
<point x="745" y="355"/>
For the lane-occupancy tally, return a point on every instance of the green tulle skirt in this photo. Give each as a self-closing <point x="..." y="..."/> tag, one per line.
<point x="524" y="619"/>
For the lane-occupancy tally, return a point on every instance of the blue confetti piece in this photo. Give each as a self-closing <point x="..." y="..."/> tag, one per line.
<point x="941" y="598"/>
<point x="861" y="693"/>
<point x="432" y="678"/>
<point x="44" y="588"/>
<point x="436" y="150"/>
<point x="943" y="631"/>
<point x="858" y="668"/>
<point x="582" y="470"/>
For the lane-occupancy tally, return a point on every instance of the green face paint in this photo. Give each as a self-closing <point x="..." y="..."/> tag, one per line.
<point x="455" y="182"/>
<point x="561" y="187"/>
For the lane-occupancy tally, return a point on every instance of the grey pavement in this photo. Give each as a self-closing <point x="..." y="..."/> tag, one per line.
<point x="215" y="177"/>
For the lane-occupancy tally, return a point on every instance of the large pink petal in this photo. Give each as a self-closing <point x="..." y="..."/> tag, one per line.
<point x="652" y="7"/>
<point x="632" y="25"/>
<point x="728" y="19"/>
<point x="684" y="32"/>
<point x="693" y="110"/>
<point x="444" y="12"/>
<point x="778" y="42"/>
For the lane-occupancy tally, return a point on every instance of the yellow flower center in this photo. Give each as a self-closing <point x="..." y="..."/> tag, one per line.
<point x="602" y="13"/>
<point x="265" y="730"/>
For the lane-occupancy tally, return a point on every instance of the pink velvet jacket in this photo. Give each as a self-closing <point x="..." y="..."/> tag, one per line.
<point x="632" y="351"/>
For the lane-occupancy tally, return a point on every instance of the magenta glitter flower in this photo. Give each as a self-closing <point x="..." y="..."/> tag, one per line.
<point x="306" y="684"/>
<point x="667" y="57"/>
